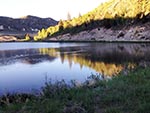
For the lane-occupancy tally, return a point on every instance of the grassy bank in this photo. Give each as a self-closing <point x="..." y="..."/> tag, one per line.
<point x="122" y="94"/>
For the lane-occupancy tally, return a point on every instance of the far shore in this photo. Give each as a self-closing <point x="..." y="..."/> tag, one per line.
<point x="133" y="34"/>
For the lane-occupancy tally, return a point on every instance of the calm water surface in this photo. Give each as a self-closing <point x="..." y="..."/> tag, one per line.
<point x="25" y="67"/>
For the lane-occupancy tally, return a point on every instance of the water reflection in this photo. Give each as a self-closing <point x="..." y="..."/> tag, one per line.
<point x="83" y="59"/>
<point x="28" y="56"/>
<point x="24" y="69"/>
<point x="107" y="59"/>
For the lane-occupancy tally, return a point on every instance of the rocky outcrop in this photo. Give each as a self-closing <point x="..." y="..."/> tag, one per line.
<point x="133" y="33"/>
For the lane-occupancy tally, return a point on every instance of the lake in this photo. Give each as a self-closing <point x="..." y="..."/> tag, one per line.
<point x="25" y="67"/>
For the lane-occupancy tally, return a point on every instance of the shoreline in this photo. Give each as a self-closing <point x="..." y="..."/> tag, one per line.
<point x="114" y="95"/>
<point x="14" y="39"/>
<point x="74" y="41"/>
<point x="129" y="34"/>
<point x="79" y="41"/>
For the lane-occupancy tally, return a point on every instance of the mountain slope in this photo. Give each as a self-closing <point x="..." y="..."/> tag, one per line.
<point x="109" y="14"/>
<point x="27" y="23"/>
<point x="121" y="8"/>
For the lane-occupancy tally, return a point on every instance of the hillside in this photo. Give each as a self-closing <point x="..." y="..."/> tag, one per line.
<point x="114" y="14"/>
<point x="27" y="23"/>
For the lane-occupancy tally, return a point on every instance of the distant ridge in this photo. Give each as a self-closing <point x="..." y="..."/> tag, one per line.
<point x="27" y="23"/>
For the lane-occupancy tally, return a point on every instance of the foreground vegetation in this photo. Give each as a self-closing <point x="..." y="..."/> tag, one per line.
<point x="122" y="94"/>
<point x="109" y="14"/>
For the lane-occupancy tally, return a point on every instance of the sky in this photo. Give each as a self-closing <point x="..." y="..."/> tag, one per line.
<point x="56" y="9"/>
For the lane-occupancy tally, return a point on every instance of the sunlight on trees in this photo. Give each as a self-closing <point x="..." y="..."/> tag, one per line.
<point x="116" y="10"/>
<point x="27" y="37"/>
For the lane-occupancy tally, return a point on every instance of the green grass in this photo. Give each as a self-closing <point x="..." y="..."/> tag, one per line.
<point x="122" y="94"/>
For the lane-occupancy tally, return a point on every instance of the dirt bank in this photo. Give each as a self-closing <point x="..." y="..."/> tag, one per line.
<point x="7" y="38"/>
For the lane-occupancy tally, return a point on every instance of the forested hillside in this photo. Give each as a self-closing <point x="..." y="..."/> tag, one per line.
<point x="109" y="14"/>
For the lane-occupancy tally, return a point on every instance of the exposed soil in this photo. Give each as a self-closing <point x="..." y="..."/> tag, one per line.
<point x="136" y="33"/>
<point x="8" y="38"/>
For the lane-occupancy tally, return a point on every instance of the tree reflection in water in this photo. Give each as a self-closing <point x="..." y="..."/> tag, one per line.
<point x="107" y="59"/>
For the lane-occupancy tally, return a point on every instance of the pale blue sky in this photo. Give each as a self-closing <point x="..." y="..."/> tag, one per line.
<point x="56" y="9"/>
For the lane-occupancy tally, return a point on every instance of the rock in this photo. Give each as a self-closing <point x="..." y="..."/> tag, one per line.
<point x="74" y="108"/>
<point x="133" y="33"/>
<point x="143" y="64"/>
<point x="121" y="34"/>
<point x="91" y="82"/>
<point x="52" y="39"/>
<point x="142" y="37"/>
